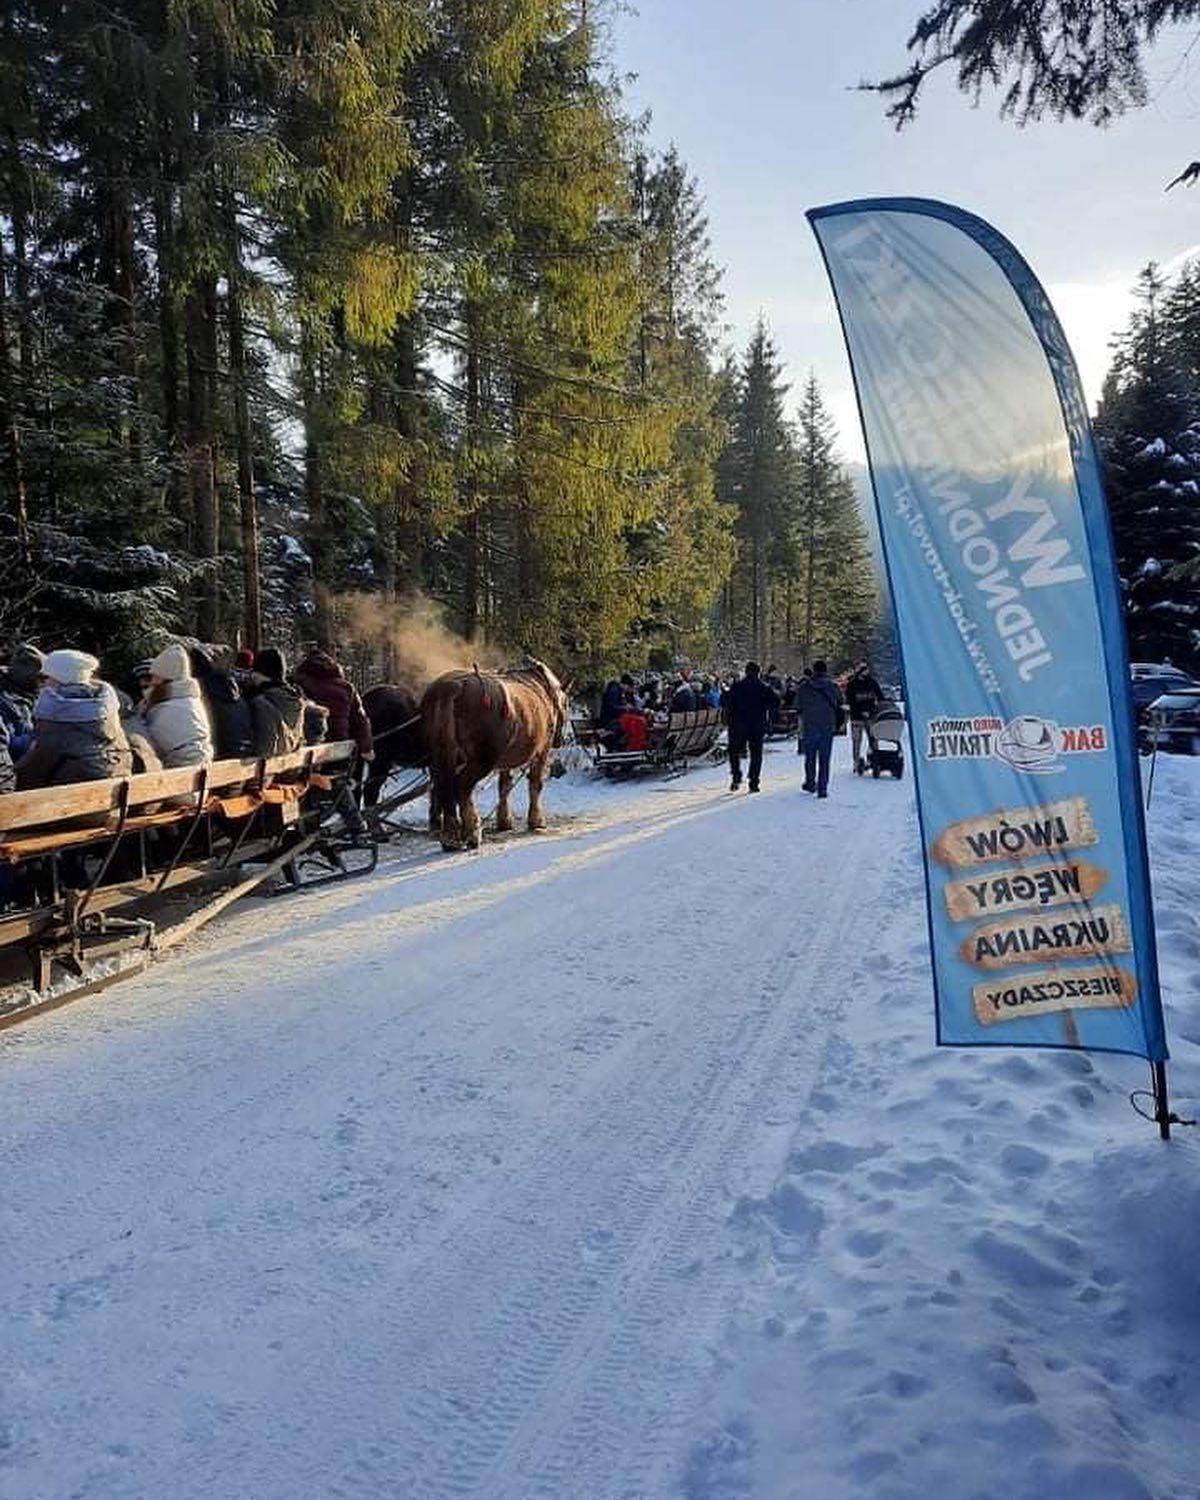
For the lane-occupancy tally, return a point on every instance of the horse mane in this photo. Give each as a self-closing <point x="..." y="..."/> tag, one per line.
<point x="533" y="670"/>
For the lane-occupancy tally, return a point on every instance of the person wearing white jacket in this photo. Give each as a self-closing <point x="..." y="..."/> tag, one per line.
<point x="173" y="712"/>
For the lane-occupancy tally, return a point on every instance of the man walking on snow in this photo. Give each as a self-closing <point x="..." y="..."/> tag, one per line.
<point x="863" y="697"/>
<point x="820" y="702"/>
<point x="750" y="705"/>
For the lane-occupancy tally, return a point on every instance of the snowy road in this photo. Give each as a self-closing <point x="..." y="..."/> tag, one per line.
<point x="613" y="1165"/>
<point x="421" y="1188"/>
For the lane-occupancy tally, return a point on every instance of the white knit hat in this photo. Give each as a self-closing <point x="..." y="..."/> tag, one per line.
<point x="171" y="664"/>
<point x="69" y="666"/>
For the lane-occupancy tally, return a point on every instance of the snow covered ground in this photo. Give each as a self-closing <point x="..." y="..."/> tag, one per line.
<point x="613" y="1165"/>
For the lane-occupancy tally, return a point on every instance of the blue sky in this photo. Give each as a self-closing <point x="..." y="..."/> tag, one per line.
<point x="758" y="97"/>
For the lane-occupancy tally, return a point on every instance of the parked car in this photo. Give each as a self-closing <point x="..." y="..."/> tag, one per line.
<point x="1149" y="687"/>
<point x="1173" y="720"/>
<point x="1140" y="669"/>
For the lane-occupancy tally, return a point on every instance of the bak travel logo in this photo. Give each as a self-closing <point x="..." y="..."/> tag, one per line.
<point x="1026" y="743"/>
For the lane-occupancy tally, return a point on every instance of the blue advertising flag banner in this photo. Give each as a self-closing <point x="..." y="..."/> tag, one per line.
<point x="1000" y="561"/>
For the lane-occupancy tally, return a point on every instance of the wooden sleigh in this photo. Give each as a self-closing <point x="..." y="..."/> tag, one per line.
<point x="82" y="866"/>
<point x="673" y="746"/>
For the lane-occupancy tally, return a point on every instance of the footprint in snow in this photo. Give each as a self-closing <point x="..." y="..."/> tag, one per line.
<point x="1016" y="1070"/>
<point x="1007" y="1387"/>
<point x="1017" y="1264"/>
<point x="873" y="1464"/>
<point x="718" y="1468"/>
<point x="1079" y="1094"/>
<point x="905" y="1385"/>
<point x="794" y="1220"/>
<point x="1021" y="1161"/>
<point x="865" y="1243"/>
<point x="832" y="1156"/>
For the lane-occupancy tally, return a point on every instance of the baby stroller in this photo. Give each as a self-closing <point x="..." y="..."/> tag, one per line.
<point x="885" y="737"/>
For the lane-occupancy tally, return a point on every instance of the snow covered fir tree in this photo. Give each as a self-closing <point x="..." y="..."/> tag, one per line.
<point x="1148" y="427"/>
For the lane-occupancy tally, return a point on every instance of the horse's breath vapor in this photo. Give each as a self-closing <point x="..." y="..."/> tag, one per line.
<point x="414" y="633"/>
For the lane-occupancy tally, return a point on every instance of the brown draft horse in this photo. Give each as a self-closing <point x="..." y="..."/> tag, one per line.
<point x="395" y="715"/>
<point x="478" y="722"/>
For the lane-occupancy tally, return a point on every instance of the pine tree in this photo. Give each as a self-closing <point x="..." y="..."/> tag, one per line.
<point x="758" y="478"/>
<point x="819" y="484"/>
<point x="1149" y="435"/>
<point x="839" y="586"/>
<point x="685" y="553"/>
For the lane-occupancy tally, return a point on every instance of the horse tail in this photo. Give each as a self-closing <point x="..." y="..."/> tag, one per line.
<point x="439" y="721"/>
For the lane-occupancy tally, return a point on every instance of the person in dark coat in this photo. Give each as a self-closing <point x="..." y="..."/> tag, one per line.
<point x="683" y="699"/>
<point x="614" y="701"/>
<point x="321" y="678"/>
<point x="327" y="691"/>
<point x="276" y="707"/>
<point x="863" y="697"/>
<point x="228" y="709"/>
<point x="611" y="703"/>
<point x="19" y="684"/>
<point x="750" y="705"/>
<point x="820" y="701"/>
<point x="77" y="733"/>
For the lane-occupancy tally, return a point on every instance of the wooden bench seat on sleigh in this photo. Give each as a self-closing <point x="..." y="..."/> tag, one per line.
<point x="73" y="857"/>
<point x="679" y="741"/>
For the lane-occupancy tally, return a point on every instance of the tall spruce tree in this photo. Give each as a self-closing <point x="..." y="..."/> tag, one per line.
<point x="683" y="555"/>
<point x="758" y="476"/>
<point x="1149" y="434"/>
<point x="840" y="588"/>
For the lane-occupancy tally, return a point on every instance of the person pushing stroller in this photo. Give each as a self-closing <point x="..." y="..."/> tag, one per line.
<point x="863" y="697"/>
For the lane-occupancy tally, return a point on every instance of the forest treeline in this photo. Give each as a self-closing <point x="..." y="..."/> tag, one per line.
<point x="305" y="300"/>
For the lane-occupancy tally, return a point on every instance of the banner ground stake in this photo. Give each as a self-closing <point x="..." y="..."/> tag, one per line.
<point x="1162" y="1109"/>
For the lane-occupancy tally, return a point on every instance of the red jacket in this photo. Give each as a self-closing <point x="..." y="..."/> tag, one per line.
<point x="320" y="678"/>
<point x="634" y="730"/>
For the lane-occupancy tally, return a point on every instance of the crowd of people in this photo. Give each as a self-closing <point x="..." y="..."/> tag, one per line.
<point x="61" y="722"/>
<point x="753" y="703"/>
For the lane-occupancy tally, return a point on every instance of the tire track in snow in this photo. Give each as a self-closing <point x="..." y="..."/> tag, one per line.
<point x="551" y="1402"/>
<point x="580" y="1441"/>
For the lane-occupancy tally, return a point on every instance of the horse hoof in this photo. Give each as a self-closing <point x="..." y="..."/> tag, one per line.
<point x="537" y="827"/>
<point x="504" y="827"/>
